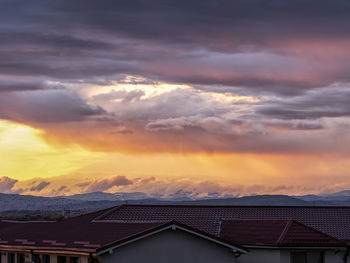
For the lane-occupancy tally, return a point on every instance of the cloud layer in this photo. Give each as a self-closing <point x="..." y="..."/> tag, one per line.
<point x="284" y="47"/>
<point x="287" y="61"/>
<point x="197" y="76"/>
<point x="6" y="184"/>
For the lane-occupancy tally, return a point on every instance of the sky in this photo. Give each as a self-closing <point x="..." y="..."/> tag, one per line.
<point x="174" y="99"/>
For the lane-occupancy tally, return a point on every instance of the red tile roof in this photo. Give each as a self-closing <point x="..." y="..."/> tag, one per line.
<point x="75" y="233"/>
<point x="83" y="234"/>
<point x="334" y="221"/>
<point x="213" y="238"/>
<point x="279" y="233"/>
<point x="93" y="231"/>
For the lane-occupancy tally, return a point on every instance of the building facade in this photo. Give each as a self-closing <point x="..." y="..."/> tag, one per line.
<point x="141" y="233"/>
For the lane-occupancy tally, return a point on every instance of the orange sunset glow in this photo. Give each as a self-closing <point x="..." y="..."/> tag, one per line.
<point x="135" y="99"/>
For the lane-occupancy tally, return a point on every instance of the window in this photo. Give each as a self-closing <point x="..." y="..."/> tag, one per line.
<point x="73" y="259"/>
<point x="36" y="258"/>
<point x="61" y="259"/>
<point x="306" y="257"/>
<point x="45" y="259"/>
<point x="20" y="258"/>
<point x="10" y="258"/>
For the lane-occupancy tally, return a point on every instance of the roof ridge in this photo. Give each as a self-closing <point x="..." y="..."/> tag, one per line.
<point x="235" y="206"/>
<point x="168" y="224"/>
<point x="109" y="211"/>
<point x="285" y="231"/>
<point x="256" y="219"/>
<point x="84" y="215"/>
<point x="26" y="222"/>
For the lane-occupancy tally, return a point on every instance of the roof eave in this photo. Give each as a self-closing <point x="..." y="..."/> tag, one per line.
<point x="172" y="225"/>
<point x="296" y="247"/>
<point x="84" y="251"/>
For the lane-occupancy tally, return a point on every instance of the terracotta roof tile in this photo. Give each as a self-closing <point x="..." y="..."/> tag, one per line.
<point x="276" y="233"/>
<point x="331" y="220"/>
<point x="68" y="233"/>
<point x="110" y="225"/>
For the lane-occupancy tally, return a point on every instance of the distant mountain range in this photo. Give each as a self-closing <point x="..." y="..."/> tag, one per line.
<point x="101" y="200"/>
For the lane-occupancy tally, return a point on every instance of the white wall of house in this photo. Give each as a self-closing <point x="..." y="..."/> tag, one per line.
<point x="178" y="246"/>
<point x="331" y="257"/>
<point x="171" y="246"/>
<point x="261" y="256"/>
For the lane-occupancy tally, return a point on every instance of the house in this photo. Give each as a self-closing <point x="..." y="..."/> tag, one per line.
<point x="282" y="241"/>
<point x="168" y="233"/>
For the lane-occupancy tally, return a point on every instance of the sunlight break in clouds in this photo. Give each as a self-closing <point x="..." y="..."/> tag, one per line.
<point x="131" y="83"/>
<point x="207" y="97"/>
<point x="25" y="155"/>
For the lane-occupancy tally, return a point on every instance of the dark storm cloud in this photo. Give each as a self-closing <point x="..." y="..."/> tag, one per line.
<point x="46" y="106"/>
<point x="291" y="58"/>
<point x="331" y="102"/>
<point x="8" y="84"/>
<point x="58" y="66"/>
<point x="168" y="40"/>
<point x="197" y="21"/>
<point x="19" y="86"/>
<point x="59" y="41"/>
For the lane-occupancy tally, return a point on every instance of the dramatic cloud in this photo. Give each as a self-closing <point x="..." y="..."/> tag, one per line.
<point x="45" y="106"/>
<point x="7" y="84"/>
<point x="329" y="102"/>
<point x="200" y="175"/>
<point x="184" y="119"/>
<point x="97" y="78"/>
<point x="162" y="189"/>
<point x="277" y="47"/>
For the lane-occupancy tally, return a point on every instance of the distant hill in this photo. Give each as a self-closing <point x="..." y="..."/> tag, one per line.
<point x="251" y="200"/>
<point x="95" y="196"/>
<point x="333" y="199"/>
<point x="101" y="200"/>
<point x="102" y="196"/>
<point x="345" y="193"/>
<point x="28" y="202"/>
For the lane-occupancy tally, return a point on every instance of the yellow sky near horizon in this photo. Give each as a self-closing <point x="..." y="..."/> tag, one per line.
<point x="27" y="157"/>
